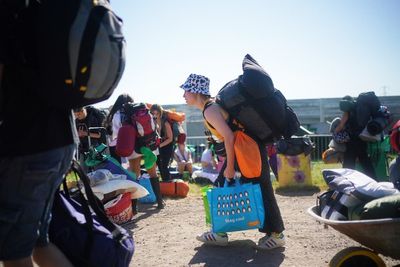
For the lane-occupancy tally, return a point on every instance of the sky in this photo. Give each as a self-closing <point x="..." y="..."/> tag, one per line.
<point x="310" y="48"/>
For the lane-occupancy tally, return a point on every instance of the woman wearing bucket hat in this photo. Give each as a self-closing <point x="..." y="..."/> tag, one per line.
<point x="197" y="94"/>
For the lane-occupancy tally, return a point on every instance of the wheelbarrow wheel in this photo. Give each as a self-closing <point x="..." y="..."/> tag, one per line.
<point x="356" y="256"/>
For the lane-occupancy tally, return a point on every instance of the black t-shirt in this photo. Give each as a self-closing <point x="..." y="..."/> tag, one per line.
<point x="29" y="125"/>
<point x="94" y="118"/>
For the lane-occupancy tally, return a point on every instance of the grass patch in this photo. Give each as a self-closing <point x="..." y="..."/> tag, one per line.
<point x="318" y="182"/>
<point x="194" y="189"/>
<point x="316" y="168"/>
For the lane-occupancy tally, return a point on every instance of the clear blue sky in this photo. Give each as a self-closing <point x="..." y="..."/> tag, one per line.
<point x="311" y="48"/>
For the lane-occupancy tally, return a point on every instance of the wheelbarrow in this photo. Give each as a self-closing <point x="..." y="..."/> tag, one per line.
<point x="380" y="236"/>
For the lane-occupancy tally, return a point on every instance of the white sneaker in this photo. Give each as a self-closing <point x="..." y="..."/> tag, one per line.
<point x="210" y="238"/>
<point x="275" y="240"/>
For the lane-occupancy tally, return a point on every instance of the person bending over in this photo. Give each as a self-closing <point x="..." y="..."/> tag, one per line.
<point x="197" y="94"/>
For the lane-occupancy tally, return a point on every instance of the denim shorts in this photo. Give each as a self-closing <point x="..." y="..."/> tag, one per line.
<point x="27" y="187"/>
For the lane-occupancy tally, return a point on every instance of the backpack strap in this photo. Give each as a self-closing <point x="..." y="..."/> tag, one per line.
<point x="230" y="120"/>
<point x="212" y="130"/>
<point x="163" y="131"/>
<point x="94" y="203"/>
<point x="207" y="105"/>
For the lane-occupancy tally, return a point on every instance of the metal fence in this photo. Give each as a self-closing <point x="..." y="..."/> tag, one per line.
<point x="321" y="142"/>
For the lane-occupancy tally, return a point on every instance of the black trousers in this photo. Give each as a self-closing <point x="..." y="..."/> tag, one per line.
<point x="163" y="160"/>
<point x="273" y="220"/>
<point x="114" y="154"/>
<point x="357" y="149"/>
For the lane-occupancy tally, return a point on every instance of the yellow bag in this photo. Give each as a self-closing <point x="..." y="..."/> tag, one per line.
<point x="247" y="155"/>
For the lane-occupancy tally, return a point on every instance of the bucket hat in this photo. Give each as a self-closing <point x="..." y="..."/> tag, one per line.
<point x="197" y="84"/>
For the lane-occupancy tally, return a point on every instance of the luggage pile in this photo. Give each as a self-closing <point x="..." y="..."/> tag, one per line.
<point x="354" y="196"/>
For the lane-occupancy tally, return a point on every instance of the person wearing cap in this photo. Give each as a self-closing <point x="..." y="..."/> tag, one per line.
<point x="356" y="148"/>
<point x="197" y="94"/>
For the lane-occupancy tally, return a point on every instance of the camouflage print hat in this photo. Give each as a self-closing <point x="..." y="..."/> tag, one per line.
<point x="197" y="84"/>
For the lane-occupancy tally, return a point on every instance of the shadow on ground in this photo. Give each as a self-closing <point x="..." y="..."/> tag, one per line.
<point x="290" y="191"/>
<point x="145" y="211"/>
<point x="237" y="253"/>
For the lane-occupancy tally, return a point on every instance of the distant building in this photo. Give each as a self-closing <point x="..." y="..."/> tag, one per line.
<point x="313" y="114"/>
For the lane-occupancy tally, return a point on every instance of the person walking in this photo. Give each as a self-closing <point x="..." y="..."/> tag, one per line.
<point x="197" y="94"/>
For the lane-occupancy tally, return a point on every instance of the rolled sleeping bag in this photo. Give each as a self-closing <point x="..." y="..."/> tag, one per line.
<point x="175" y="115"/>
<point x="257" y="105"/>
<point x="375" y="126"/>
<point x="126" y="140"/>
<point x="255" y="79"/>
<point x="378" y="124"/>
<point x="175" y="188"/>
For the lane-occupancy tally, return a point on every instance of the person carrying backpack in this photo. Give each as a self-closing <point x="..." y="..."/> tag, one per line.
<point x="356" y="148"/>
<point x="146" y="145"/>
<point x="166" y="147"/>
<point x="197" y="94"/>
<point x="114" y="121"/>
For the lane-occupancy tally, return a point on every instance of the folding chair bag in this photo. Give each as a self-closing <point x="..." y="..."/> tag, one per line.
<point x="236" y="208"/>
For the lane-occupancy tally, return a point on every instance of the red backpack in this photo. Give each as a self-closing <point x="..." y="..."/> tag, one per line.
<point x="138" y="115"/>
<point x="126" y="140"/>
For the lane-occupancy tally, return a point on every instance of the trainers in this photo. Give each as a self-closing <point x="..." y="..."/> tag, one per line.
<point x="275" y="240"/>
<point x="210" y="238"/>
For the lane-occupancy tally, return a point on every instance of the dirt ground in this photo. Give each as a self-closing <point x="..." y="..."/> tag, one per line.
<point x="167" y="237"/>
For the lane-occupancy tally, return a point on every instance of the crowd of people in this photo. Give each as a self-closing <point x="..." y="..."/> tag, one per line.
<point x="36" y="154"/>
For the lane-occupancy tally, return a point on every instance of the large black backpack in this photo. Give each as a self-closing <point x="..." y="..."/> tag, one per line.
<point x="253" y="101"/>
<point x="367" y="106"/>
<point x="75" y="53"/>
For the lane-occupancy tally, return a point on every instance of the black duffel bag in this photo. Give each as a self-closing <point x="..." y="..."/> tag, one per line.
<point x="295" y="146"/>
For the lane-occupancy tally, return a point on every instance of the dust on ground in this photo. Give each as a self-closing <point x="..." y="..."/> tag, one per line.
<point x="167" y="237"/>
